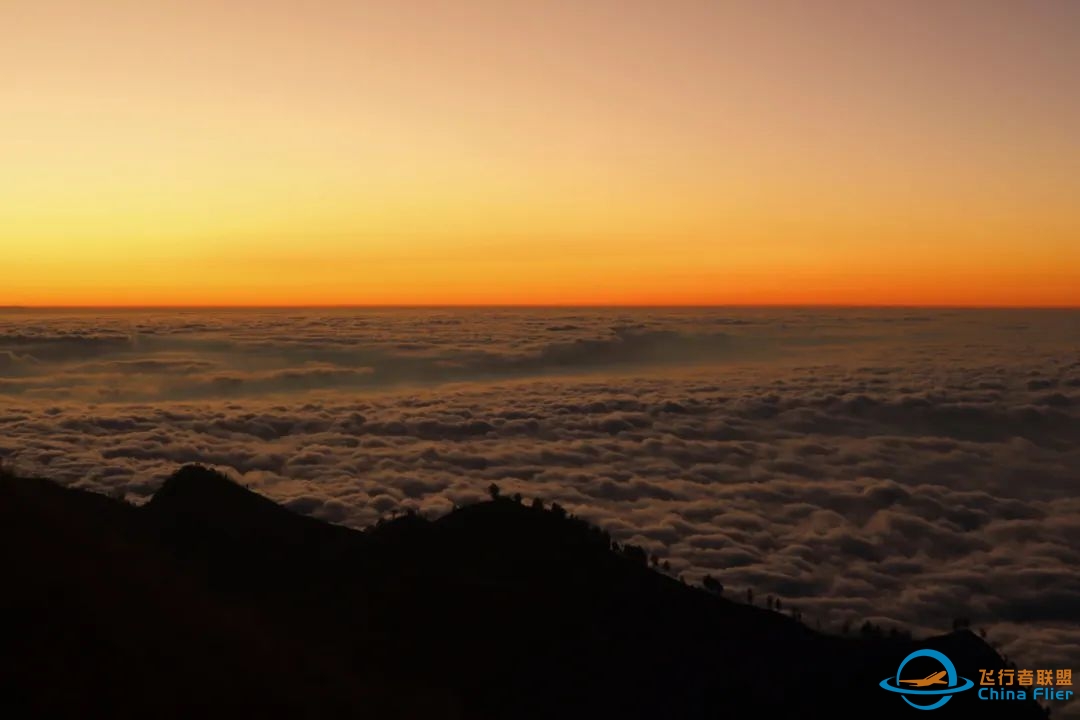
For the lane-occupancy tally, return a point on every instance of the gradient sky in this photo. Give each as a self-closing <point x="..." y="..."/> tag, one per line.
<point x="532" y="151"/>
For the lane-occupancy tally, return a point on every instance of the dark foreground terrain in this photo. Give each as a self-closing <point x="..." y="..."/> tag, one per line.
<point x="213" y="601"/>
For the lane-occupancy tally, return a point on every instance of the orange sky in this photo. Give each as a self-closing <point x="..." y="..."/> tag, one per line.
<point x="540" y="152"/>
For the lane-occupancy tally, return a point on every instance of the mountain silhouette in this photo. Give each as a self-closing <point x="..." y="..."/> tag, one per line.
<point x="211" y="600"/>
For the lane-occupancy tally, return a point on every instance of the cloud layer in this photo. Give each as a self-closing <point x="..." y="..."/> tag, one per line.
<point x="896" y="466"/>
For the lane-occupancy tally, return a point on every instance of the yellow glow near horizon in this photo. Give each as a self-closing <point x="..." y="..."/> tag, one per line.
<point x="332" y="152"/>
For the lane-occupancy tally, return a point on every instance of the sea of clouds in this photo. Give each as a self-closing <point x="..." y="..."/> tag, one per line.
<point x="901" y="466"/>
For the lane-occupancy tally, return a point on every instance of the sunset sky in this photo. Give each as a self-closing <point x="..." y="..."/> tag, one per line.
<point x="539" y="152"/>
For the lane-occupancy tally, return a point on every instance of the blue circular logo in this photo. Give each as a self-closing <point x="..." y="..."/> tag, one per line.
<point x="918" y="687"/>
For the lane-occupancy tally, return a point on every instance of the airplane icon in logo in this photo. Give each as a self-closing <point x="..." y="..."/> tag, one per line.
<point x="934" y="679"/>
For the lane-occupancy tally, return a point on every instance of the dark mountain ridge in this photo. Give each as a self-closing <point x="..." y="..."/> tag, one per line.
<point x="212" y="600"/>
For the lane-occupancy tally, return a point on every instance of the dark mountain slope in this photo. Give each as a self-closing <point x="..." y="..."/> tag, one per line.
<point x="98" y="620"/>
<point x="211" y="599"/>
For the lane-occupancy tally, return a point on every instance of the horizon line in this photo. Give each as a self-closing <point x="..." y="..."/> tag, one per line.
<point x="418" y="306"/>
